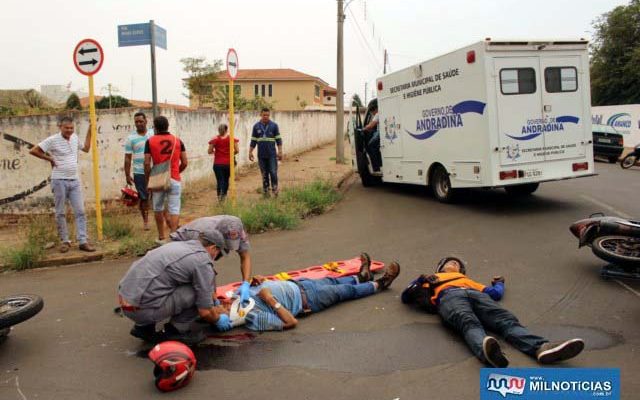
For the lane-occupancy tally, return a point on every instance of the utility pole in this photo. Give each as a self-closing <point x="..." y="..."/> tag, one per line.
<point x="340" y="97"/>
<point x="154" y="90"/>
<point x="365" y="94"/>
<point x="384" y="68"/>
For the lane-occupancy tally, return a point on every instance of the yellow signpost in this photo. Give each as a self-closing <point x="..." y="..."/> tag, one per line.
<point x="232" y="147"/>
<point x="87" y="58"/>
<point x="232" y="71"/>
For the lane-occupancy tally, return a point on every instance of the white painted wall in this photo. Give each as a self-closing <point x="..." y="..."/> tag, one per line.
<point x="21" y="173"/>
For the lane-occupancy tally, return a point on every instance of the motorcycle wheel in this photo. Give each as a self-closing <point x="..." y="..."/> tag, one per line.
<point x="628" y="162"/>
<point x="620" y="250"/>
<point x="19" y="308"/>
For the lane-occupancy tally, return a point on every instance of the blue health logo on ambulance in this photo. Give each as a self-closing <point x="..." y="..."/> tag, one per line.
<point x="536" y="127"/>
<point x="549" y="383"/>
<point x="436" y="119"/>
<point x="621" y="122"/>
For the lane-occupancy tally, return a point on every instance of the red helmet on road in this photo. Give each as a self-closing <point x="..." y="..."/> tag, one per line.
<point x="175" y="365"/>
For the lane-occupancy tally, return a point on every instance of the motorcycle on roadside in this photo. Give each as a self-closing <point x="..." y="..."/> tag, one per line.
<point x="612" y="239"/>
<point x="16" y="309"/>
<point x="631" y="159"/>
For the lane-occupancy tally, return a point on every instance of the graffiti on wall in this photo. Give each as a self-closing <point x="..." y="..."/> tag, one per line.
<point x="14" y="164"/>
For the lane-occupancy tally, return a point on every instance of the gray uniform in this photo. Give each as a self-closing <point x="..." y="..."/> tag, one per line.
<point x="231" y="228"/>
<point x="172" y="281"/>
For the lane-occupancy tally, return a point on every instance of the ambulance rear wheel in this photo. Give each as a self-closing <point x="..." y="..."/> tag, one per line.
<point x="522" y="190"/>
<point x="441" y="185"/>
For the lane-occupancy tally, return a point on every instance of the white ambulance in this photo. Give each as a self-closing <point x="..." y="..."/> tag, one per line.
<point x="494" y="114"/>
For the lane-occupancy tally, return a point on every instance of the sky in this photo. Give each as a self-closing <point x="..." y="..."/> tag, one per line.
<point x="37" y="37"/>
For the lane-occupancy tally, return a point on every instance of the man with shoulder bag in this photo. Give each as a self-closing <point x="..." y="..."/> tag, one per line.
<point x="165" y="158"/>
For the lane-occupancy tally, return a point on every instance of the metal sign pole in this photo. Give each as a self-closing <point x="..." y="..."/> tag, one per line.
<point x="95" y="157"/>
<point x="232" y="147"/>
<point x="154" y="90"/>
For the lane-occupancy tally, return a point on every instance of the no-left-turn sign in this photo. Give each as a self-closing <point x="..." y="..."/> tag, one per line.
<point x="88" y="57"/>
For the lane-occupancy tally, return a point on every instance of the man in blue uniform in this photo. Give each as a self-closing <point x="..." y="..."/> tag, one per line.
<point x="266" y="135"/>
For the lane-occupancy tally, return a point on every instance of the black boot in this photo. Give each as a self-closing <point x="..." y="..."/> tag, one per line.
<point x="145" y="332"/>
<point x="189" y="338"/>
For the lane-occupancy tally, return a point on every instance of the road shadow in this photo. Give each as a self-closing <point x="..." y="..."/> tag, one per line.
<point x="486" y="201"/>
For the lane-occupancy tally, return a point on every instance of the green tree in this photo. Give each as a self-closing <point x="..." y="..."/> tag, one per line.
<point x="356" y="101"/>
<point x="73" y="102"/>
<point x="200" y="77"/>
<point x="221" y="100"/>
<point x="615" y="56"/>
<point x="112" y="102"/>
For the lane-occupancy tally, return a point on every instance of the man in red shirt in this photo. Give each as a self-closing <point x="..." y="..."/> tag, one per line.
<point x="160" y="148"/>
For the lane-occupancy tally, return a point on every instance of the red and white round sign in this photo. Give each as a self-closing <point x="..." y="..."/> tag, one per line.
<point x="88" y="57"/>
<point x="232" y="64"/>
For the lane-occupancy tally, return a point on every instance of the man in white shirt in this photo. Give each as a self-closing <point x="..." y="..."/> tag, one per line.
<point x="61" y="150"/>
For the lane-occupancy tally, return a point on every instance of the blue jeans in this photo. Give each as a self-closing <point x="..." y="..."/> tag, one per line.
<point x="69" y="189"/>
<point x="269" y="170"/>
<point x="469" y="311"/>
<point x="140" y="181"/>
<point x="222" y="178"/>
<point x="323" y="293"/>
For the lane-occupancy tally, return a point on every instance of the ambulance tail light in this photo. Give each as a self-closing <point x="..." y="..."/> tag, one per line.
<point x="471" y="57"/>
<point x="583" y="166"/>
<point x="513" y="174"/>
<point x="379" y="86"/>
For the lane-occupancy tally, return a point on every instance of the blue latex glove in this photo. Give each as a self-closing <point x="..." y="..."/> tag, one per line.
<point x="243" y="291"/>
<point x="224" y="323"/>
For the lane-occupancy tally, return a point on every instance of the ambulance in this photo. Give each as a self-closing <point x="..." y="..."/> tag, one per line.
<point x="494" y="114"/>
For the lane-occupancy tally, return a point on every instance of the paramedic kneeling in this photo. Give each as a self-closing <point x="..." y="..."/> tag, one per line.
<point x="177" y="282"/>
<point x="469" y="307"/>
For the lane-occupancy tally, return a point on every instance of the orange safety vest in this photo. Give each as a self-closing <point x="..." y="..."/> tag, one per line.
<point x="457" y="280"/>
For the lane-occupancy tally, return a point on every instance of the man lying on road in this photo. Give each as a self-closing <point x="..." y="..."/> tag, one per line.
<point x="469" y="306"/>
<point x="175" y="281"/>
<point x="277" y="303"/>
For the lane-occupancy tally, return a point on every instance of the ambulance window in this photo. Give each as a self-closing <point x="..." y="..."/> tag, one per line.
<point x="561" y="79"/>
<point x="517" y="81"/>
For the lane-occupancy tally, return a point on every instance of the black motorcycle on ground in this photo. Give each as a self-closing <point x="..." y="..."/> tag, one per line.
<point x="631" y="159"/>
<point x="17" y="308"/>
<point x="615" y="240"/>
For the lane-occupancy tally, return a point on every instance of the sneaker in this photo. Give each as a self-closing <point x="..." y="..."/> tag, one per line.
<point x="550" y="353"/>
<point x="145" y="332"/>
<point x="365" y="275"/>
<point x="189" y="338"/>
<point x="64" y="247"/>
<point x="87" y="247"/>
<point x="391" y="273"/>
<point x="160" y="242"/>
<point x="493" y="353"/>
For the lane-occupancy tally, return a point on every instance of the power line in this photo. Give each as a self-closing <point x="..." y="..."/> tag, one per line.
<point x="357" y="25"/>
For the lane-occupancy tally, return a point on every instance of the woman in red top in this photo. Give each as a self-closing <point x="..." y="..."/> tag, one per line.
<point x="219" y="147"/>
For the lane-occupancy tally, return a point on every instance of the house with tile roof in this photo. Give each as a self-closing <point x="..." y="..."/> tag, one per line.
<point x="287" y="89"/>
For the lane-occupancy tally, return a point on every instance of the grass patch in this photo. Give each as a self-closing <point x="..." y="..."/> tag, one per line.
<point x="117" y="228"/>
<point x="41" y="232"/>
<point x="286" y="211"/>
<point x="313" y="198"/>
<point x="136" y="246"/>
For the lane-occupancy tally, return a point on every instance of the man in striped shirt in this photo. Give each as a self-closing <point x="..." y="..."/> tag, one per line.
<point x="134" y="154"/>
<point x="61" y="151"/>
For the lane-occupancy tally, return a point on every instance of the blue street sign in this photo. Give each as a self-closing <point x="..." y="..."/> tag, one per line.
<point x="140" y="34"/>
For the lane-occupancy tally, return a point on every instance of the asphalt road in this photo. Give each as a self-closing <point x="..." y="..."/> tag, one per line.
<point x="373" y="348"/>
